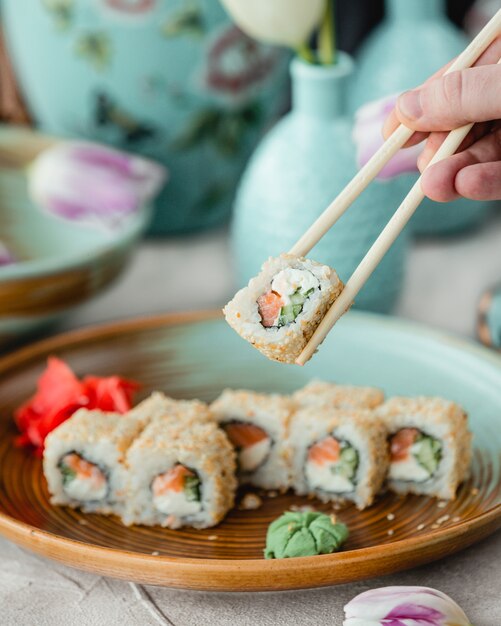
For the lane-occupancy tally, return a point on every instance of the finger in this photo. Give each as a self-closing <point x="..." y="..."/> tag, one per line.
<point x="392" y="123"/>
<point x="436" y="139"/>
<point x="440" y="181"/>
<point x="480" y="182"/>
<point x="490" y="56"/>
<point x="472" y="95"/>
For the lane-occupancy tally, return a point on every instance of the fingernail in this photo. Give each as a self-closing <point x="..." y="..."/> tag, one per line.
<point x="386" y="130"/>
<point x="409" y="104"/>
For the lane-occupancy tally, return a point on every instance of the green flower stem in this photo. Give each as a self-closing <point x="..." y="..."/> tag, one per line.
<point x="304" y="51"/>
<point x="327" y="37"/>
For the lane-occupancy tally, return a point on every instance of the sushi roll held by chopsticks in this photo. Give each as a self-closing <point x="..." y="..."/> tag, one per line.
<point x="280" y="309"/>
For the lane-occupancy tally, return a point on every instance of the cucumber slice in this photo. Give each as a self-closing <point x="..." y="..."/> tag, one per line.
<point x="297" y="298"/>
<point x="289" y="313"/>
<point x="348" y="463"/>
<point x="68" y="474"/>
<point x="192" y="488"/>
<point x="428" y="453"/>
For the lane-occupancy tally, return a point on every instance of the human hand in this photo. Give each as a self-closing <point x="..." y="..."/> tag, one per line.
<point x="443" y="103"/>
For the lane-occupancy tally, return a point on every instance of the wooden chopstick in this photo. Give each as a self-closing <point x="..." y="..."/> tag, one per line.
<point x="388" y="150"/>
<point x="390" y="233"/>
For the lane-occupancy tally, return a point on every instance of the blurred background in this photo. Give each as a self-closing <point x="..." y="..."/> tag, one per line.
<point x="153" y="153"/>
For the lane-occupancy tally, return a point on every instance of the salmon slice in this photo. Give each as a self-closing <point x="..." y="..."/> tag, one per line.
<point x="269" y="305"/>
<point x="244" y="435"/>
<point x="84" y="469"/>
<point x="172" y="480"/>
<point x="402" y="442"/>
<point x="325" y="451"/>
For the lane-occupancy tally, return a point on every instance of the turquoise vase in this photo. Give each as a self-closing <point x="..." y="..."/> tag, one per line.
<point x="174" y="80"/>
<point x="412" y="43"/>
<point x="297" y="170"/>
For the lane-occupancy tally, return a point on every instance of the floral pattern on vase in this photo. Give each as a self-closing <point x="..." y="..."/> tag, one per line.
<point x="171" y="79"/>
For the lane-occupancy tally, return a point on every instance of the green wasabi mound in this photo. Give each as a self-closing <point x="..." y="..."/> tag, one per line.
<point x="304" y="534"/>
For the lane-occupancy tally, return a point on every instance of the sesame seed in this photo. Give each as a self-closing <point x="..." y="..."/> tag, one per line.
<point x="390" y="517"/>
<point x="390" y="532"/>
<point x="474" y="491"/>
<point x="155" y="553"/>
<point x="250" y="502"/>
<point x="442" y="519"/>
<point x="456" y="519"/>
<point x="83" y="522"/>
<point x="305" y="508"/>
<point x="442" y="505"/>
<point x="435" y="526"/>
<point x="420" y="527"/>
<point x="212" y="537"/>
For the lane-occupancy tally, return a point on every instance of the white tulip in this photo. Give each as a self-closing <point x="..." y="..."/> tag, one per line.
<point x="280" y="22"/>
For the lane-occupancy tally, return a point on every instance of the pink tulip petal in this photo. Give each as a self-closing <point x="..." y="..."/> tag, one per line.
<point x="90" y="182"/>
<point x="367" y="135"/>
<point x="419" y="613"/>
<point x="404" y="606"/>
<point x="6" y="256"/>
<point x="96" y="155"/>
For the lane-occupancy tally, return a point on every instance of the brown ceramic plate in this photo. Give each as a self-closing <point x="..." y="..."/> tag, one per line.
<point x="196" y="356"/>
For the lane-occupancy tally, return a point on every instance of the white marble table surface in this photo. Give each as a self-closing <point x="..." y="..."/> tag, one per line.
<point x="445" y="280"/>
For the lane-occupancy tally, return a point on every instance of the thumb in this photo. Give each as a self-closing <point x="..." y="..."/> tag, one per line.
<point x="445" y="103"/>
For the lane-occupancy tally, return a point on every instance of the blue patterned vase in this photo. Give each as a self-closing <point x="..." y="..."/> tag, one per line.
<point x="297" y="170"/>
<point x="171" y="79"/>
<point x="412" y="43"/>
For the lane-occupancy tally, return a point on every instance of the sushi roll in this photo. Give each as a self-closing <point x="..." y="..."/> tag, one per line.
<point x="318" y="392"/>
<point x="339" y="454"/>
<point x="180" y="474"/>
<point x="281" y="308"/>
<point x="84" y="461"/>
<point x="430" y="445"/>
<point x="160" y="406"/>
<point x="258" y="427"/>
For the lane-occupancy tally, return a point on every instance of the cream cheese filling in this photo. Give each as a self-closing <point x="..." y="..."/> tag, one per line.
<point x="176" y="503"/>
<point x="87" y="489"/>
<point x="251" y="457"/>
<point x="409" y="469"/>
<point x="321" y="477"/>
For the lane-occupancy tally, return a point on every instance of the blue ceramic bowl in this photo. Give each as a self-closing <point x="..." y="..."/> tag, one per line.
<point x="59" y="264"/>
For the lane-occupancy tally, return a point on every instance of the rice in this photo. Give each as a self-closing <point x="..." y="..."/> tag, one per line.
<point x="430" y="445"/>
<point x="339" y="454"/>
<point x="180" y="474"/>
<point x="84" y="461"/>
<point x="317" y="393"/>
<point x="258" y="426"/>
